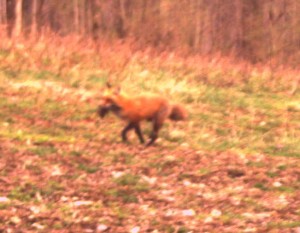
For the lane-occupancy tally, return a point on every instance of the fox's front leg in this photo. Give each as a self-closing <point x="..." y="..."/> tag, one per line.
<point x="137" y="129"/>
<point x="125" y="130"/>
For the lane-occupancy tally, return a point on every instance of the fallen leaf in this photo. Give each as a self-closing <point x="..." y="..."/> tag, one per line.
<point x="38" y="226"/>
<point x="135" y="230"/>
<point x="189" y="212"/>
<point x="15" y="219"/>
<point x="215" y="213"/>
<point x="208" y="219"/>
<point x="4" y="199"/>
<point x="277" y="184"/>
<point x="82" y="203"/>
<point x="102" y="228"/>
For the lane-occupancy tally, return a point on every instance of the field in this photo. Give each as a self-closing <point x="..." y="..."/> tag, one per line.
<point x="232" y="167"/>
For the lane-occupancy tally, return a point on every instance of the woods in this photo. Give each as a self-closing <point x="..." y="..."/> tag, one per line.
<point x="254" y="30"/>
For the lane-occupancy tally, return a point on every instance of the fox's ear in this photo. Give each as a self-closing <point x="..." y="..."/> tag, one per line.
<point x="112" y="90"/>
<point x="117" y="90"/>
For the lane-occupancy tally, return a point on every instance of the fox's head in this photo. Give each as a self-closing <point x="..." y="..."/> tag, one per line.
<point x="109" y="100"/>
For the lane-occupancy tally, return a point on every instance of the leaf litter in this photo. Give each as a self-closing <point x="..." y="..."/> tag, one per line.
<point x="77" y="180"/>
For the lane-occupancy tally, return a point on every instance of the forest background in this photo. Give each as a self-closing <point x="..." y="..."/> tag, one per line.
<point x="257" y="31"/>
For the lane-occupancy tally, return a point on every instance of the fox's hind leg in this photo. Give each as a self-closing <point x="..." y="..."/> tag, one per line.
<point x="157" y="121"/>
<point x="154" y="134"/>
<point x="130" y="126"/>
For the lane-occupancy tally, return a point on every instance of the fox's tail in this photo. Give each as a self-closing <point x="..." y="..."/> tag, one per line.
<point x="178" y="112"/>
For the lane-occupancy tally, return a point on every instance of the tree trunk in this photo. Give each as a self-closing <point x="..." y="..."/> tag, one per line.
<point x="34" y="19"/>
<point x="123" y="14"/>
<point x="18" y="19"/>
<point x="76" y="16"/>
<point x="3" y="12"/>
<point x="238" y="27"/>
<point x="198" y="24"/>
<point x="208" y="29"/>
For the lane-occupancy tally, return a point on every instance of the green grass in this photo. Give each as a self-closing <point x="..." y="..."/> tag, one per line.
<point x="88" y="169"/>
<point x="43" y="150"/>
<point x="24" y="193"/>
<point x="127" y="180"/>
<point x="284" y="224"/>
<point x="259" y="120"/>
<point x="124" y="195"/>
<point x="249" y="122"/>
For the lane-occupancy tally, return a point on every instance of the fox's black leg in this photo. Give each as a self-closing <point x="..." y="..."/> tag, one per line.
<point x="153" y="137"/>
<point x="138" y="132"/>
<point x="158" y="121"/>
<point x="156" y="127"/>
<point x="125" y="130"/>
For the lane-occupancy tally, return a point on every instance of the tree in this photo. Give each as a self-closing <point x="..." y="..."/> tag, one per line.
<point x="18" y="19"/>
<point x="34" y="18"/>
<point x="3" y="12"/>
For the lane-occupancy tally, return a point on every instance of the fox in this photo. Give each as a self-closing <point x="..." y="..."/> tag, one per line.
<point x="135" y="109"/>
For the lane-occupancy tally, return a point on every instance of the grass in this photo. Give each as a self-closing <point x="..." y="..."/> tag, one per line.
<point x="242" y="136"/>
<point x="284" y="224"/>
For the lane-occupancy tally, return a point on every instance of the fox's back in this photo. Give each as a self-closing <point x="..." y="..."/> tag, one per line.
<point x="144" y="107"/>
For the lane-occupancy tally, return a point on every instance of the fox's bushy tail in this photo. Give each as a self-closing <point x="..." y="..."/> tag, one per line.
<point x="178" y="112"/>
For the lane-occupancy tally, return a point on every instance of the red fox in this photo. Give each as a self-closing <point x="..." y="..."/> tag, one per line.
<point x="152" y="108"/>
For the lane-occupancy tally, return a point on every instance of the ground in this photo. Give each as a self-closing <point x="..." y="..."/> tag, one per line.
<point x="233" y="166"/>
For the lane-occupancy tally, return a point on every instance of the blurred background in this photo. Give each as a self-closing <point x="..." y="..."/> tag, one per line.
<point x="257" y="31"/>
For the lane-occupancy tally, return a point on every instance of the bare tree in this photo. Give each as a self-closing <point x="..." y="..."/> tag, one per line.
<point x="76" y="16"/>
<point x="18" y="19"/>
<point x="237" y="30"/>
<point x="34" y="18"/>
<point x="3" y="13"/>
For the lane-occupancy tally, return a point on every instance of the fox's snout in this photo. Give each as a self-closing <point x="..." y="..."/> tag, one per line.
<point x="103" y="110"/>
